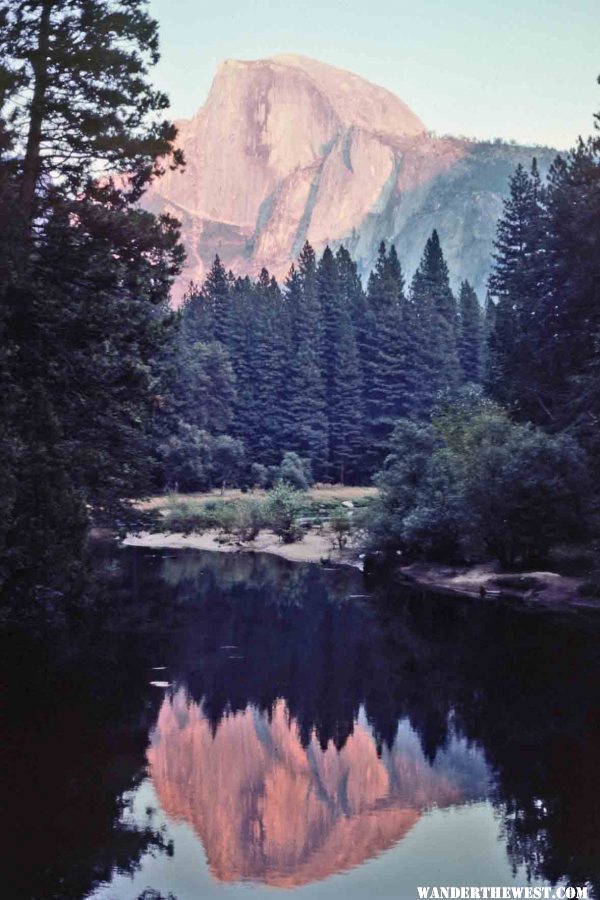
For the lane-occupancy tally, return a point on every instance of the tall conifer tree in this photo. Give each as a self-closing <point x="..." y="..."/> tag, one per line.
<point x="217" y="291"/>
<point x="517" y="285"/>
<point x="85" y="274"/>
<point x="470" y="345"/>
<point x="386" y="362"/>
<point x="305" y="426"/>
<point x="437" y="324"/>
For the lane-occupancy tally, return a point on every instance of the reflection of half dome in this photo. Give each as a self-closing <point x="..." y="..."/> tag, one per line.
<point x="268" y="810"/>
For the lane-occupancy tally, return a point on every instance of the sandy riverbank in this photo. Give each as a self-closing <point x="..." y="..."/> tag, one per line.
<point x="313" y="548"/>
<point x="550" y="590"/>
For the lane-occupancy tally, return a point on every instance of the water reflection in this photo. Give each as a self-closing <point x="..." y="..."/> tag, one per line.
<point x="308" y="729"/>
<point x="269" y="809"/>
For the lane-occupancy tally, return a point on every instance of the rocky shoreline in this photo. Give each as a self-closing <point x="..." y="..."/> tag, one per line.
<point x="487" y="582"/>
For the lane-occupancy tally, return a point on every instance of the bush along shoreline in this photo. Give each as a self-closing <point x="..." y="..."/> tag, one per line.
<point x="469" y="504"/>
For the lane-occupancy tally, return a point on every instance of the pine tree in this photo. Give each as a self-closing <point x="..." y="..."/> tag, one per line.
<point x="517" y="286"/>
<point x="570" y="318"/>
<point x="489" y="324"/>
<point x="267" y="372"/>
<point x="85" y="274"/>
<point x="314" y="324"/>
<point x="329" y="302"/>
<point x="470" y="344"/>
<point x="217" y="293"/>
<point x="437" y="324"/>
<point x="387" y="396"/>
<point x="354" y="297"/>
<point x="241" y="351"/>
<point x="85" y="106"/>
<point x="346" y="413"/>
<point x="543" y="348"/>
<point x="305" y="426"/>
<point x="205" y="392"/>
<point x="196" y="316"/>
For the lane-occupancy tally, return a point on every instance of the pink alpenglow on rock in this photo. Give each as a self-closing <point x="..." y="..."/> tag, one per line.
<point x="289" y="149"/>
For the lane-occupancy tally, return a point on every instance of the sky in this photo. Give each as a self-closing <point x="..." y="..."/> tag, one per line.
<point x="517" y="69"/>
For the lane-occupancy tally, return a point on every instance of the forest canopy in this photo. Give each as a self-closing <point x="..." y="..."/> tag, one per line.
<point x="107" y="394"/>
<point x="85" y="277"/>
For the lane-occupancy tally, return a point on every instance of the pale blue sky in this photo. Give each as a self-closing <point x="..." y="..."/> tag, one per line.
<point x="522" y="69"/>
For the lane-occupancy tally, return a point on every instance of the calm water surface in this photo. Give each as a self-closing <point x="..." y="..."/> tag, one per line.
<point x="240" y="724"/>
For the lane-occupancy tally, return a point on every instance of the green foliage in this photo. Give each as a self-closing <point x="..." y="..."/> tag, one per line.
<point x="282" y="509"/>
<point x="470" y="342"/>
<point x="242" y="519"/>
<point x="543" y="346"/>
<point x="340" y="526"/>
<point x="259" y="475"/>
<point x="516" y="284"/>
<point x="305" y="426"/>
<point x="182" y="517"/>
<point x="321" y="368"/>
<point x="294" y="471"/>
<point x="204" y="393"/>
<point x="386" y="362"/>
<point x="528" y="490"/>
<point x="475" y="483"/>
<point x="544" y="329"/>
<point x="84" y="277"/>
<point x="435" y="311"/>
<point x="186" y="459"/>
<point x="78" y="97"/>
<point x="228" y="457"/>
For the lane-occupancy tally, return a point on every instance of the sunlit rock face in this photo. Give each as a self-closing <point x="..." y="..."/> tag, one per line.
<point x="270" y="810"/>
<point x="288" y="149"/>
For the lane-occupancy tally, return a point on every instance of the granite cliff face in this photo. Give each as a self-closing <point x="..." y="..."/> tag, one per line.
<point x="288" y="149"/>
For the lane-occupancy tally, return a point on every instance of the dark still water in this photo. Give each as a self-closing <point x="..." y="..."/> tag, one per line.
<point x="241" y="724"/>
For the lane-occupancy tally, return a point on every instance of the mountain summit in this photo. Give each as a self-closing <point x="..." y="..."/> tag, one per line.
<point x="289" y="149"/>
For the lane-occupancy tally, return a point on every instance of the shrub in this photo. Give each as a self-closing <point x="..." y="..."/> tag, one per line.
<point x="438" y="525"/>
<point x="243" y="520"/>
<point x="184" y="518"/>
<point x="475" y="483"/>
<point x="340" y="525"/>
<point x="282" y="508"/>
<point x="527" y="493"/>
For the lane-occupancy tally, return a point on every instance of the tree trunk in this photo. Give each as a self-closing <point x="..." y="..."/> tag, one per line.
<point x="31" y="163"/>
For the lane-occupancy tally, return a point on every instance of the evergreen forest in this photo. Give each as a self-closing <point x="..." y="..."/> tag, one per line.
<point x="108" y="395"/>
<point x="319" y="366"/>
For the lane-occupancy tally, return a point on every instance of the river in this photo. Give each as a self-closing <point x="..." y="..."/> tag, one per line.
<point x="240" y="724"/>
